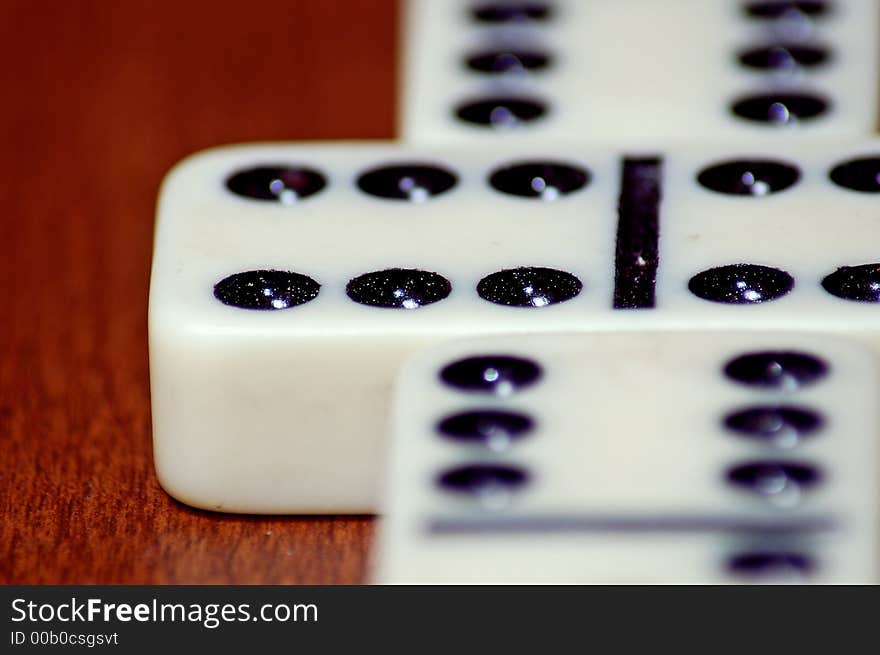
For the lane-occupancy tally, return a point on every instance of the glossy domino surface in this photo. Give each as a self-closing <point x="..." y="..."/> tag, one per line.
<point x="290" y="281"/>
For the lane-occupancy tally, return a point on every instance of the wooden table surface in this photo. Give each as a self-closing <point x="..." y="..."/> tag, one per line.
<point x="100" y="99"/>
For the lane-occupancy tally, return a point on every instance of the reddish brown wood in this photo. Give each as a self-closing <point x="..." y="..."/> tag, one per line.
<point x="100" y="99"/>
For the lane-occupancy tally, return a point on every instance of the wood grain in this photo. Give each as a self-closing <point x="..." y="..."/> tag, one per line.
<point x="100" y="99"/>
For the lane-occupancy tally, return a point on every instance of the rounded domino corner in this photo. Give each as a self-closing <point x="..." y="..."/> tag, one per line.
<point x="180" y="492"/>
<point x="195" y="160"/>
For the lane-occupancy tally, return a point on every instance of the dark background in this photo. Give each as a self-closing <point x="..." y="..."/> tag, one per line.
<point x="99" y="99"/>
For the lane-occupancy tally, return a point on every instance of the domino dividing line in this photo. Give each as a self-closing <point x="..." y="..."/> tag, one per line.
<point x="638" y="232"/>
<point x="596" y="523"/>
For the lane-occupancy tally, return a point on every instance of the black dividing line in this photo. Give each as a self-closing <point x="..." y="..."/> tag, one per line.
<point x="637" y="252"/>
<point x="598" y="523"/>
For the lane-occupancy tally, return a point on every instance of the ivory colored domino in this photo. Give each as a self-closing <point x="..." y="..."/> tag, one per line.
<point x="701" y="458"/>
<point x="289" y="282"/>
<point x="477" y="71"/>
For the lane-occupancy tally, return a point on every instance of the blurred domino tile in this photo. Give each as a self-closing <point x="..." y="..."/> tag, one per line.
<point x="634" y="458"/>
<point x="629" y="70"/>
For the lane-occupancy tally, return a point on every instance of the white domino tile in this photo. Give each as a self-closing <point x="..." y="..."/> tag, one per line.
<point x="634" y="458"/>
<point x="630" y="70"/>
<point x="285" y="410"/>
